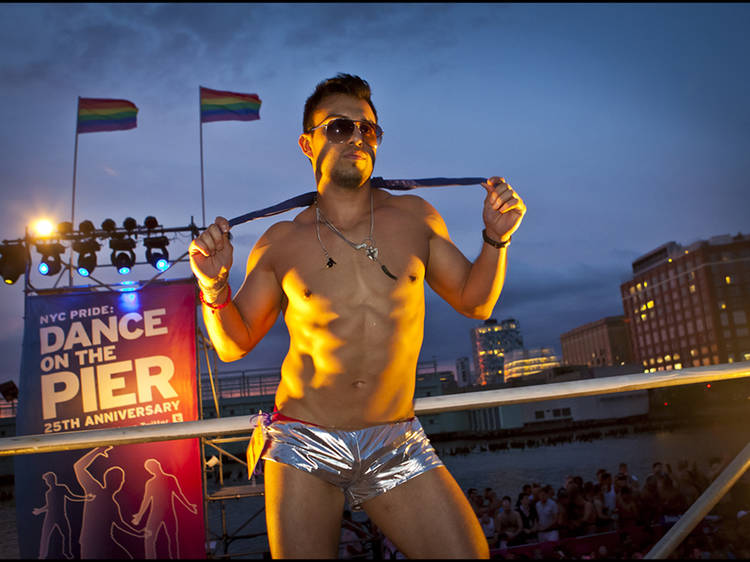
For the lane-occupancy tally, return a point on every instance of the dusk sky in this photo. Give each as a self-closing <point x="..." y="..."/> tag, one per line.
<point x="623" y="127"/>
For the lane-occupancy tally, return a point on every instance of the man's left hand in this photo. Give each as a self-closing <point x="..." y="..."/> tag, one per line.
<point x="503" y="209"/>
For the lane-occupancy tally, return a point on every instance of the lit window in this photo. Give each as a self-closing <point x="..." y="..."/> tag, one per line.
<point x="728" y="280"/>
<point x="667" y="357"/>
<point x="645" y="284"/>
<point x="643" y="316"/>
<point x="676" y="356"/>
<point x="650" y="304"/>
<point x="670" y="260"/>
<point x="692" y="288"/>
<point x="723" y="305"/>
<point x="678" y="366"/>
<point x="638" y="286"/>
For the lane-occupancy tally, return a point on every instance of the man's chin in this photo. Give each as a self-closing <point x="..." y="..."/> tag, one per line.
<point x="350" y="179"/>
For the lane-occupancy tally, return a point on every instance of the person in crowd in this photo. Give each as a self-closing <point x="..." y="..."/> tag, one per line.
<point x="627" y="508"/>
<point x="491" y="502"/>
<point x="631" y="479"/>
<point x="689" y="481"/>
<point x="529" y="518"/>
<point x="476" y="501"/>
<point x="546" y="509"/>
<point x="508" y="524"/>
<point x="650" y="504"/>
<point x="672" y="502"/>
<point x="525" y="489"/>
<point x="563" y="515"/>
<point x="488" y="528"/>
<point x="353" y="537"/>
<point x="608" y="492"/>
<point x="604" y="519"/>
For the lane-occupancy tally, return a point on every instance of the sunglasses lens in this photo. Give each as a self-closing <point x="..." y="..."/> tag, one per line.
<point x="340" y="130"/>
<point x="368" y="133"/>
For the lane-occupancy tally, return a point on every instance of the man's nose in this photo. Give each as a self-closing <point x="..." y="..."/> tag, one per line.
<point x="357" y="137"/>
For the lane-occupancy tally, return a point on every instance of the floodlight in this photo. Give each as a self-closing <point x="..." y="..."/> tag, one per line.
<point x="44" y="228"/>
<point x="50" y="264"/>
<point x="108" y="225"/>
<point x="87" y="258"/>
<point x="150" y="222"/>
<point x="129" y="224"/>
<point x="65" y="227"/>
<point x="13" y="260"/>
<point x="86" y="227"/>
<point x="123" y="256"/>
<point x="156" y="252"/>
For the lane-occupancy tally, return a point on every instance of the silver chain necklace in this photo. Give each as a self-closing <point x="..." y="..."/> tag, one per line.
<point x="368" y="244"/>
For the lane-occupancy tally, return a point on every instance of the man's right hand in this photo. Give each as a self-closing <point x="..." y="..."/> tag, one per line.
<point x="211" y="259"/>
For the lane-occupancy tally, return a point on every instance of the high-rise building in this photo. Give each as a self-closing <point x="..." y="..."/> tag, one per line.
<point x="490" y="342"/>
<point x="605" y="342"/>
<point x="689" y="305"/>
<point x="524" y="362"/>
<point x="463" y="372"/>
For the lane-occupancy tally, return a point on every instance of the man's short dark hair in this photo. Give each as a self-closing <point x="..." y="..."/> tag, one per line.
<point x="340" y="84"/>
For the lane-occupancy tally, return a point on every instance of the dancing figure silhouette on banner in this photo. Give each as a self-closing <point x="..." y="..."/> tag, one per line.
<point x="159" y="493"/>
<point x="101" y="512"/>
<point x="56" y="515"/>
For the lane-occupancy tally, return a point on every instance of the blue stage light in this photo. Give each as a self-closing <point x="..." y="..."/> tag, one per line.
<point x="51" y="263"/>
<point x="123" y="256"/>
<point x="156" y="252"/>
<point x="87" y="254"/>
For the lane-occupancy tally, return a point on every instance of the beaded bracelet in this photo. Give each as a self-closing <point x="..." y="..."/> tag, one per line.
<point x="213" y="306"/>
<point x="492" y="242"/>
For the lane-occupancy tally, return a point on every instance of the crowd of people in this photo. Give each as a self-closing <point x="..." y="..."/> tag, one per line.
<point x="619" y="504"/>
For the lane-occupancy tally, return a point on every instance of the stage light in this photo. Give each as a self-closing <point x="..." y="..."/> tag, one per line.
<point x="150" y="222"/>
<point x="108" y="225"/>
<point x="156" y="252"/>
<point x="129" y="224"/>
<point x="13" y="260"/>
<point x="43" y="228"/>
<point x="65" y="227"/>
<point x="50" y="264"/>
<point x="123" y="256"/>
<point x="87" y="258"/>
<point x="86" y="227"/>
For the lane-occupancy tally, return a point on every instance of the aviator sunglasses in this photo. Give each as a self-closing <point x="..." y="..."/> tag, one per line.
<point x="341" y="129"/>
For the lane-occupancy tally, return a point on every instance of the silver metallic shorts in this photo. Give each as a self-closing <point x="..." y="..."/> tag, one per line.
<point x="363" y="463"/>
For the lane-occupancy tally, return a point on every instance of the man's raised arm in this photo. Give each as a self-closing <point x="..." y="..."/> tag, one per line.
<point x="235" y="325"/>
<point x="473" y="288"/>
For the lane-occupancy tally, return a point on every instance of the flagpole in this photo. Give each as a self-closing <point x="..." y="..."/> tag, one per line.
<point x="73" y="203"/>
<point x="200" y="124"/>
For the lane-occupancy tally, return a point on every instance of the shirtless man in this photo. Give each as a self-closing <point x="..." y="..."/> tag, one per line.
<point x="348" y="275"/>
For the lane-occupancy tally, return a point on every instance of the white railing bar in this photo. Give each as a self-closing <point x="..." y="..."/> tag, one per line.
<point x="49" y="442"/>
<point x="45" y="443"/>
<point x="586" y="387"/>
<point x="701" y="507"/>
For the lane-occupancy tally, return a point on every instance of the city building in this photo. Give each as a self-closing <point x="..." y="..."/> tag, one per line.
<point x="525" y="362"/>
<point x="605" y="342"/>
<point x="490" y="342"/>
<point x="463" y="372"/>
<point x="688" y="306"/>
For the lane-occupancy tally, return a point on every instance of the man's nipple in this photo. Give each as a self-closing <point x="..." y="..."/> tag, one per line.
<point x="359" y="384"/>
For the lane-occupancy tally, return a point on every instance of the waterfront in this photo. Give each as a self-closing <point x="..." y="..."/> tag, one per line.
<point x="503" y="470"/>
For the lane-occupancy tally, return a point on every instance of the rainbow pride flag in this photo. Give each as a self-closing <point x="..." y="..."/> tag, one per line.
<point x="228" y="106"/>
<point x="99" y="114"/>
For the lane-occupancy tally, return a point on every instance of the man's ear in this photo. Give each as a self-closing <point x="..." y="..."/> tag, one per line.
<point x="304" y="144"/>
